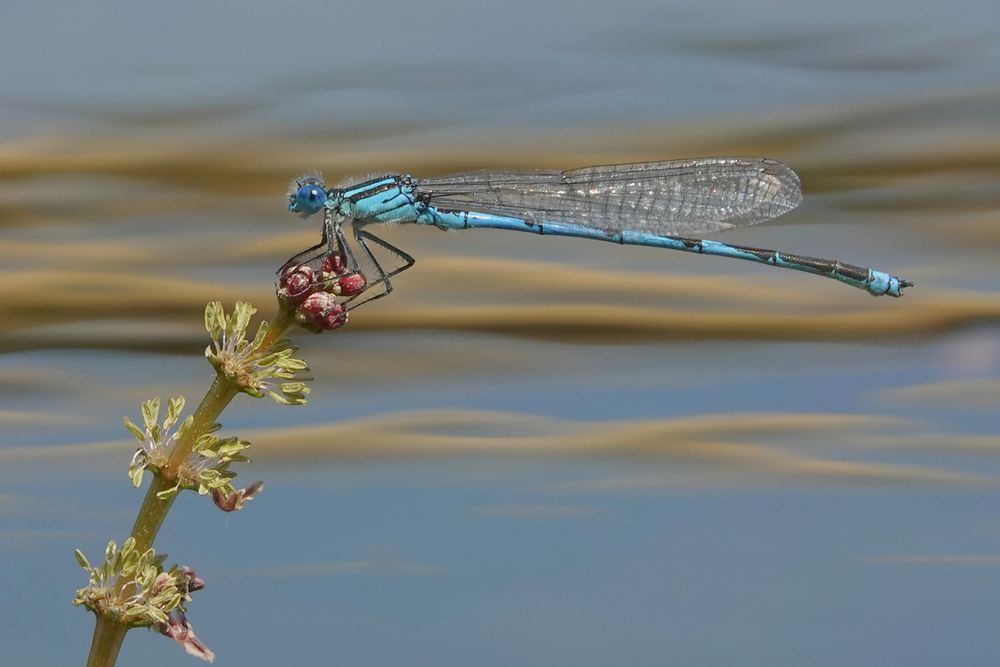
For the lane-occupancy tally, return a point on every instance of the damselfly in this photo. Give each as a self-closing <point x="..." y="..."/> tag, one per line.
<point x="659" y="204"/>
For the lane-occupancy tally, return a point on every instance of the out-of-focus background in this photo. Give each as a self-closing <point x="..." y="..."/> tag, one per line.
<point x="537" y="450"/>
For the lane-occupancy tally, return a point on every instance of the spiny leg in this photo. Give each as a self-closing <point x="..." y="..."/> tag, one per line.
<point x="332" y="242"/>
<point x="408" y="260"/>
<point x="344" y="247"/>
<point x="309" y="254"/>
<point x="362" y="237"/>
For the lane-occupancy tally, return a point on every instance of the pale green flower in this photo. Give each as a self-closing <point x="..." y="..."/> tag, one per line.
<point x="134" y="589"/>
<point x="272" y="372"/>
<point x="205" y="469"/>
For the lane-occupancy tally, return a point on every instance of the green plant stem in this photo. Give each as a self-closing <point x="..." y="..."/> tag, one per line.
<point x="107" y="641"/>
<point x="109" y="633"/>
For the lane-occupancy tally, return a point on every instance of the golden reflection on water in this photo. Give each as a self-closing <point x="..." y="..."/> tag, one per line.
<point x="568" y="304"/>
<point x="117" y="244"/>
<point x="714" y="449"/>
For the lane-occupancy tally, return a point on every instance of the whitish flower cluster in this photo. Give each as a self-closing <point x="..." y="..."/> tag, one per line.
<point x="257" y="372"/>
<point x="157" y="440"/>
<point x="132" y="588"/>
<point x="205" y="469"/>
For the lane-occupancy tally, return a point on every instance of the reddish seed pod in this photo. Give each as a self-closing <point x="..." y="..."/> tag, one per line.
<point x="321" y="312"/>
<point x="335" y="320"/>
<point x="299" y="281"/>
<point x="352" y="284"/>
<point x="294" y="270"/>
<point x="334" y="263"/>
<point x="315" y="304"/>
<point x="295" y="283"/>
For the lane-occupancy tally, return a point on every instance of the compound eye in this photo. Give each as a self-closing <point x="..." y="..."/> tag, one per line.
<point x="310" y="198"/>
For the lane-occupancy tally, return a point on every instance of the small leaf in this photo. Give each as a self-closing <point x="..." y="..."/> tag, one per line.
<point x="134" y="612"/>
<point x="81" y="559"/>
<point x="139" y="434"/>
<point x="244" y="311"/>
<point x="295" y="388"/>
<point x="215" y="318"/>
<point x="295" y="365"/>
<point x="158" y="615"/>
<point x="255" y="392"/>
<point x="174" y="408"/>
<point x="150" y="413"/>
<point x="128" y="545"/>
<point x="261" y="334"/>
<point x="281" y="399"/>
<point x="269" y="359"/>
<point x="135" y="473"/>
<point x="130" y="565"/>
<point x="232" y="449"/>
<point x="168" y="600"/>
<point x="147" y="578"/>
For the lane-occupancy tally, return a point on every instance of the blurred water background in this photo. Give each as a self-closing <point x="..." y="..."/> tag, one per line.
<point x="536" y="451"/>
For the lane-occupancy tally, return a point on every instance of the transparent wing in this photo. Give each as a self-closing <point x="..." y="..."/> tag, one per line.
<point x="666" y="198"/>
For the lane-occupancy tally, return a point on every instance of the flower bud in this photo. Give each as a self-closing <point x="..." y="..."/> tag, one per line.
<point x="321" y="312"/>
<point x="334" y="263"/>
<point x="351" y="284"/>
<point x="191" y="582"/>
<point x="236" y="499"/>
<point x="335" y="320"/>
<point x="296" y="283"/>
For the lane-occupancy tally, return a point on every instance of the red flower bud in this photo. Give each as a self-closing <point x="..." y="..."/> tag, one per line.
<point x="296" y="283"/>
<point x="335" y="320"/>
<point x="315" y="304"/>
<point x="235" y="500"/>
<point x="351" y="284"/>
<point x="334" y="263"/>
<point x="321" y="312"/>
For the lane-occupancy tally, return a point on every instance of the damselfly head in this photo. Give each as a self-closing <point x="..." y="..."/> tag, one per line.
<point x="306" y="196"/>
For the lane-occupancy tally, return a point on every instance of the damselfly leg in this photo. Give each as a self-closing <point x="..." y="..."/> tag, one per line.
<point x="334" y="257"/>
<point x="310" y="255"/>
<point x="381" y="286"/>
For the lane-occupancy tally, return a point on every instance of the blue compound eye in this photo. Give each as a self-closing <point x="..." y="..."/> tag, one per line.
<point x="308" y="199"/>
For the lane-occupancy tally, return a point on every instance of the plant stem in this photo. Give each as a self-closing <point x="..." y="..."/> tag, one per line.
<point x="107" y="641"/>
<point x="109" y="633"/>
